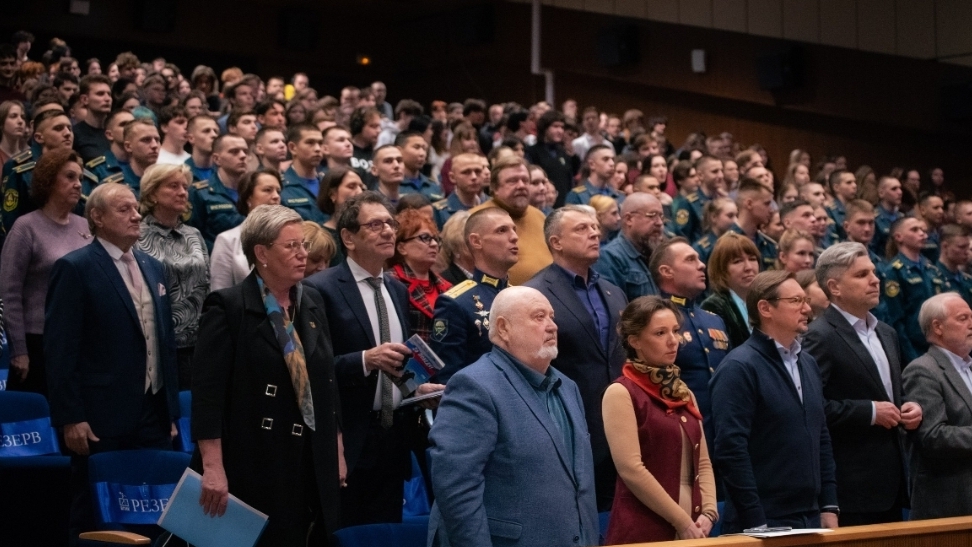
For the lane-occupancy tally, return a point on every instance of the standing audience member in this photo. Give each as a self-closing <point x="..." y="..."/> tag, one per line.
<point x="772" y="449"/>
<point x="164" y="205"/>
<point x="718" y="216"/>
<point x="608" y="217"/>
<point x="13" y="130"/>
<point x="267" y="338"/>
<point x="321" y="247"/>
<point x="338" y="185"/>
<point x="663" y="494"/>
<point x="417" y="245"/>
<point x="173" y="122"/>
<point x="818" y="300"/>
<point x="550" y="154"/>
<point x="954" y="259"/>
<point x="109" y="318"/>
<point x="861" y="373"/>
<point x="214" y="201"/>
<point x="755" y="211"/>
<point x="37" y="240"/>
<point x="940" y="384"/>
<point x="526" y="476"/>
<point x="732" y="268"/>
<point x="624" y="261"/>
<point x="467" y="177"/>
<point x="586" y="310"/>
<point x="201" y="133"/>
<point x="889" y="202"/>
<point x="455" y="263"/>
<point x="94" y="95"/>
<point x="796" y="251"/>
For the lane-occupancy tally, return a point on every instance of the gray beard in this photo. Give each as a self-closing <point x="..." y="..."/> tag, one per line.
<point x="547" y="352"/>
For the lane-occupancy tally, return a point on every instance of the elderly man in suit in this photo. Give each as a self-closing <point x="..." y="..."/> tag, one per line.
<point x="366" y="313"/>
<point x="861" y="374"/>
<point x="941" y="382"/>
<point x="586" y="310"/>
<point x="511" y="461"/>
<point x="110" y="344"/>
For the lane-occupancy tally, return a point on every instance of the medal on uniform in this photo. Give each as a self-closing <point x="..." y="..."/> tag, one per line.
<point x="483" y="313"/>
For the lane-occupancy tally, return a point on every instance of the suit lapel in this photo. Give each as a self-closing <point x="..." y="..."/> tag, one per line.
<point x="562" y="291"/>
<point x="849" y="336"/>
<point x="952" y="375"/>
<point x="153" y="284"/>
<point x="352" y="297"/>
<point x="307" y="326"/>
<point x="253" y="304"/>
<point x="110" y="271"/>
<point x="528" y="395"/>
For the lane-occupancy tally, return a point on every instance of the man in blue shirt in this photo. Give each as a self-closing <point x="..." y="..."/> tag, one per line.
<point x="301" y="181"/>
<point x="624" y="261"/>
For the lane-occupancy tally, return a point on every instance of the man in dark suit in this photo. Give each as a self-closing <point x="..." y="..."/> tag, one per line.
<point x="110" y="343"/>
<point x="586" y="310"/>
<point x="509" y="462"/>
<point x="941" y="382"/>
<point x="550" y="154"/>
<point x="772" y="447"/>
<point x="861" y="374"/>
<point x="366" y="313"/>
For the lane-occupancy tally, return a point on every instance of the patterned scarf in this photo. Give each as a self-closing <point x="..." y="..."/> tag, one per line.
<point x="293" y="350"/>
<point x="662" y="384"/>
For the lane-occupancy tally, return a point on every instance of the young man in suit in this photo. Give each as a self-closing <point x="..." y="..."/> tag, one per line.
<point x="110" y="344"/>
<point x="509" y="460"/>
<point x="586" y="310"/>
<point x="772" y="447"/>
<point x="861" y="374"/>
<point x="941" y="383"/>
<point x="367" y="316"/>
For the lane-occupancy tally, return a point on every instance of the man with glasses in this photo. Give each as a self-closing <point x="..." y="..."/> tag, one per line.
<point x="460" y="323"/>
<point x="624" y="261"/>
<point x="772" y="446"/>
<point x="367" y="319"/>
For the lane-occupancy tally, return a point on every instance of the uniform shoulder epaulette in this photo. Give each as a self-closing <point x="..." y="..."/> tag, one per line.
<point x="435" y="197"/>
<point x="23" y="156"/>
<point x="454" y="292"/>
<point x="441" y="204"/>
<point x="766" y="237"/>
<point x="897" y="264"/>
<point x="707" y="311"/>
<point x="704" y="242"/>
<point x="200" y="185"/>
<point x="95" y="162"/>
<point x="579" y="189"/>
<point x="117" y="177"/>
<point x="692" y="198"/>
<point x="24" y="167"/>
<point x="91" y="176"/>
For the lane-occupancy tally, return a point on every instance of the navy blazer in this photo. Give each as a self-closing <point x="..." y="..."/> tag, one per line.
<point x="351" y="335"/>
<point x="772" y="453"/>
<point x="580" y="355"/>
<point x="501" y="472"/>
<point x="870" y="459"/>
<point x="94" y="345"/>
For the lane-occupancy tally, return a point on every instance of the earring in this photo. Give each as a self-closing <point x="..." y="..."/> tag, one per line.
<point x="264" y="264"/>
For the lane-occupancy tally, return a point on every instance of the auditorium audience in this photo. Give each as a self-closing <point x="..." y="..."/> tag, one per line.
<point x="37" y="240"/>
<point x="321" y="247"/>
<point x="662" y="493"/>
<point x="263" y="338"/>
<point x="796" y="251"/>
<point x="13" y="132"/>
<point x="417" y="246"/>
<point x="732" y="268"/>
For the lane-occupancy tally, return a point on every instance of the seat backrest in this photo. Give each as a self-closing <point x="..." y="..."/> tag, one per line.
<point x="183" y="441"/>
<point x="132" y="487"/>
<point x="409" y="534"/>
<point x="25" y="425"/>
<point x="4" y="358"/>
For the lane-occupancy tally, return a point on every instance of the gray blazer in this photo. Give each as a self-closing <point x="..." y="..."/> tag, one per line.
<point x="941" y="464"/>
<point x="501" y="472"/>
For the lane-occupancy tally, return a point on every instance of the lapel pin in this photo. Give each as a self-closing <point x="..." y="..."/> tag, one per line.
<point x="313" y="325"/>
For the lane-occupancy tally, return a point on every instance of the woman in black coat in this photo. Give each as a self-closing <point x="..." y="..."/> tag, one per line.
<point x="733" y="265"/>
<point x="264" y="400"/>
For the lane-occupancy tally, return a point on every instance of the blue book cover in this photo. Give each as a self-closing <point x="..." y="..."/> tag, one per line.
<point x="421" y="366"/>
<point x="240" y="526"/>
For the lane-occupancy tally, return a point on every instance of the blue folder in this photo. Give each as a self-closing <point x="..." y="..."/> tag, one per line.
<point x="240" y="526"/>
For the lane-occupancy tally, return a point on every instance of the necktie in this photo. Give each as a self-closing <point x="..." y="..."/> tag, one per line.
<point x="387" y="403"/>
<point x="129" y="260"/>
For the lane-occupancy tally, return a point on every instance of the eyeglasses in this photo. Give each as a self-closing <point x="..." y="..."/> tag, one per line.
<point x="793" y="299"/>
<point x="293" y="246"/>
<point x="425" y="238"/>
<point x="379" y="225"/>
<point x="654" y="215"/>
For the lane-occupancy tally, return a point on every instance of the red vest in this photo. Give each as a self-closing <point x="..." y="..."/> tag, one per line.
<point x="660" y="439"/>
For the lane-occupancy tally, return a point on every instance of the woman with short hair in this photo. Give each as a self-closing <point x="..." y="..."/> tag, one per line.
<point x="338" y="185"/>
<point x="417" y="246"/>
<point x="164" y="205"/>
<point x="732" y="267"/>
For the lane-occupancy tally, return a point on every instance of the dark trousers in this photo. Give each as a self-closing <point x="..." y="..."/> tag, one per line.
<point x="861" y="519"/>
<point x="605" y="480"/>
<point x="184" y="362"/>
<point x="376" y="486"/>
<point x="311" y="529"/>
<point x="36" y="380"/>
<point x="152" y="432"/>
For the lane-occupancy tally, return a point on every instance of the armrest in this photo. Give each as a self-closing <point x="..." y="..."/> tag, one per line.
<point x="116" y="537"/>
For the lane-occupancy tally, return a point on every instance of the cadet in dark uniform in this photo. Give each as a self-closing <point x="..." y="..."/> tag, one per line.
<point x="955" y="250"/>
<point x="600" y="162"/>
<point x="115" y="157"/>
<point x="889" y="194"/>
<point x="680" y="276"/>
<point x="843" y="186"/>
<point x="931" y="209"/>
<point x="767" y="248"/>
<point x="755" y="209"/>
<point x="460" y="323"/>
<point x="414" y="153"/>
<point x="467" y="175"/>
<point x="302" y="180"/>
<point x="909" y="280"/>
<point x="687" y="215"/>
<point x="298" y="197"/>
<point x="213" y="202"/>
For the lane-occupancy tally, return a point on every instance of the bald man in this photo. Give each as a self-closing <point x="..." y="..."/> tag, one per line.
<point x="624" y="261"/>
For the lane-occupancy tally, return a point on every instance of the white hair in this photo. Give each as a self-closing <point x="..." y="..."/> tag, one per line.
<point x="934" y="310"/>
<point x="504" y="305"/>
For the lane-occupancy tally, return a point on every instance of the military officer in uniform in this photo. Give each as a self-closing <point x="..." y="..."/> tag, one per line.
<point x="213" y="201"/>
<point x="955" y="250"/>
<point x="116" y="156"/>
<point x="687" y="215"/>
<point x="909" y="280"/>
<point x="889" y="199"/>
<point x="467" y="174"/>
<point x="600" y="162"/>
<point x="680" y="276"/>
<point x="843" y="186"/>
<point x="755" y="204"/>
<point x="460" y="323"/>
<point x="302" y="180"/>
<point x="414" y="153"/>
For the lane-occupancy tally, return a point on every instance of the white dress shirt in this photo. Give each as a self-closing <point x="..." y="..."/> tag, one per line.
<point x="397" y="333"/>
<point x="866" y="330"/>
<point x="961" y="365"/>
<point x="790" y="356"/>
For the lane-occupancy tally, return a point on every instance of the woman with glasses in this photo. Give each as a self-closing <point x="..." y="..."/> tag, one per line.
<point x="417" y="245"/>
<point x="164" y="205"/>
<point x="264" y="394"/>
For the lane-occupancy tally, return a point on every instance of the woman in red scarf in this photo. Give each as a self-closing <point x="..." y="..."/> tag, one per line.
<point x="665" y="489"/>
<point x="416" y="248"/>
